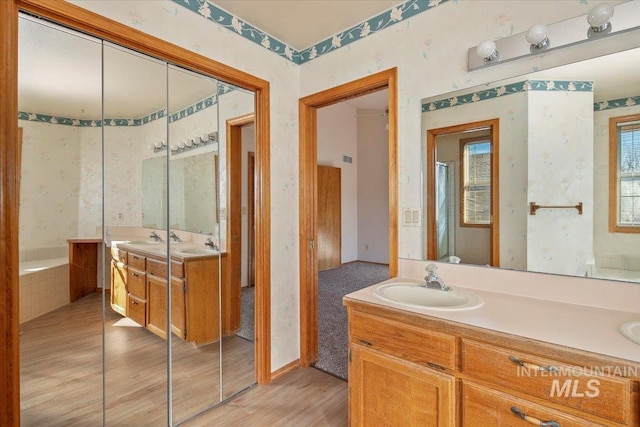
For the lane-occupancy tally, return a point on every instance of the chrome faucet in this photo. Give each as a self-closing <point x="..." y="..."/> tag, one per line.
<point x="212" y="245"/>
<point x="155" y="237"/>
<point x="432" y="281"/>
<point x="175" y="237"/>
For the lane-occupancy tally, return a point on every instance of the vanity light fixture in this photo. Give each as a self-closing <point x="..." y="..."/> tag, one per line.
<point x="487" y="51"/>
<point x="195" y="142"/>
<point x="606" y="34"/>
<point x="599" y="18"/>
<point x="537" y="37"/>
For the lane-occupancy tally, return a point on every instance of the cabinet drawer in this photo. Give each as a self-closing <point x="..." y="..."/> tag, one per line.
<point x="562" y="383"/>
<point x="136" y="261"/>
<point x="137" y="310"/>
<point x="408" y="342"/>
<point x="136" y="280"/>
<point x="482" y="406"/>
<point x="159" y="268"/>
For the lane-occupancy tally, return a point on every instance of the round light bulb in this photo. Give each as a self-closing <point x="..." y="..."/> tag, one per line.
<point x="163" y="142"/>
<point x="599" y="17"/>
<point x="487" y="50"/>
<point x="174" y="147"/>
<point x="181" y="145"/>
<point x="537" y="36"/>
<point x="158" y="144"/>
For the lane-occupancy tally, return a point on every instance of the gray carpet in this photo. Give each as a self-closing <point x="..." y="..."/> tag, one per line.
<point x="332" y="315"/>
<point x="247" y="314"/>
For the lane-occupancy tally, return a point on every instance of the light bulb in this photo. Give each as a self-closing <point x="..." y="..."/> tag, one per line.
<point x="174" y="147"/>
<point x="158" y="144"/>
<point x="188" y="143"/>
<point x="537" y="36"/>
<point x="599" y="17"/>
<point x="487" y="50"/>
<point x="181" y="145"/>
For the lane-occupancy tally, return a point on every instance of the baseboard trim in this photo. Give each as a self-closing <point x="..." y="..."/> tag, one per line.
<point x="285" y="369"/>
<point x="368" y="262"/>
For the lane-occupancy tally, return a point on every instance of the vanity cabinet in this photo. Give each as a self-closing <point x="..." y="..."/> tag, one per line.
<point x="412" y="369"/>
<point x="394" y="379"/>
<point x="139" y="291"/>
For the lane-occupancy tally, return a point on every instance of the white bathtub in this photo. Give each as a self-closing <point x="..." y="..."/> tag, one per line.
<point x="44" y="286"/>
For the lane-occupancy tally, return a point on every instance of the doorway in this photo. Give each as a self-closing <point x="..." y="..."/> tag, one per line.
<point x="462" y="193"/>
<point x="309" y="187"/>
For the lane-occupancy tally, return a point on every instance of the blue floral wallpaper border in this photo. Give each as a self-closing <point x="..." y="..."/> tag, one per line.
<point x="174" y="117"/>
<point x="523" y="86"/>
<point x="371" y="26"/>
<point x="617" y="103"/>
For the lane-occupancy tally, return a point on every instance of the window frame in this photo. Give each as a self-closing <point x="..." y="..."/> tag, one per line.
<point x="614" y="178"/>
<point x="463" y="143"/>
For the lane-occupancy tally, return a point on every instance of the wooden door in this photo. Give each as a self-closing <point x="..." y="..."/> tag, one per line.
<point x="388" y="391"/>
<point x="329" y="218"/>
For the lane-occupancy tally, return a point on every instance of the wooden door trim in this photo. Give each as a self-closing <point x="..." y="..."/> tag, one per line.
<point x="432" y="242"/>
<point x="234" y="218"/>
<point x="308" y="107"/>
<point x="251" y="159"/>
<point x="99" y="26"/>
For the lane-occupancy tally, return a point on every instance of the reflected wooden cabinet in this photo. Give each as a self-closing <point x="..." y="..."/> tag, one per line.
<point x="139" y="291"/>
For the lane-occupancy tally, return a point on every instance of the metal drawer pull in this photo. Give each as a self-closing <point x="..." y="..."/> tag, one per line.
<point x="134" y="302"/>
<point x="134" y="274"/>
<point x="532" y="366"/>
<point x="533" y="420"/>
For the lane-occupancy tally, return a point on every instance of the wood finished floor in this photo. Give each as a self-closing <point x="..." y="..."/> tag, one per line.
<point x="61" y="382"/>
<point x="61" y="370"/>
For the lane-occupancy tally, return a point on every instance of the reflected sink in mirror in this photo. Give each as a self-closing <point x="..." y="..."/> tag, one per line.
<point x="631" y="330"/>
<point x="196" y="251"/>
<point x="144" y="242"/>
<point x="415" y="295"/>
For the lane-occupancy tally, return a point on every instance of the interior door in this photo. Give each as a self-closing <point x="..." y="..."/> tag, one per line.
<point x="442" y="223"/>
<point x="329" y="218"/>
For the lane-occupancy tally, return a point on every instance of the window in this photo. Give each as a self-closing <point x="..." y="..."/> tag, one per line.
<point x="624" y="174"/>
<point x="476" y="182"/>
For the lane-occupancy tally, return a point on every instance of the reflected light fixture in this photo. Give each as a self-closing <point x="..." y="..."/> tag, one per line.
<point x="599" y="17"/>
<point x="487" y="51"/>
<point x="537" y="37"/>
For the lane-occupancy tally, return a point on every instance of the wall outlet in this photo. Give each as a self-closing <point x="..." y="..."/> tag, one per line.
<point x="120" y="215"/>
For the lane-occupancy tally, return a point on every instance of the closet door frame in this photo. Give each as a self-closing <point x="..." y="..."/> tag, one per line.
<point x="101" y="27"/>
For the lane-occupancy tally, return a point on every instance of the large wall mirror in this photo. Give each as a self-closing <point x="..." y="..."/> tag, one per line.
<point x="130" y="154"/>
<point x="559" y="181"/>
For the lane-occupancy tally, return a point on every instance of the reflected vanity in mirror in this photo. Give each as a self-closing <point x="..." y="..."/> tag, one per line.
<point x="560" y="145"/>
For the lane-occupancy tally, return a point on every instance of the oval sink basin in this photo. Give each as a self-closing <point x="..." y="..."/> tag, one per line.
<point x="631" y="330"/>
<point x="143" y="242"/>
<point x="196" y="251"/>
<point x="414" y="295"/>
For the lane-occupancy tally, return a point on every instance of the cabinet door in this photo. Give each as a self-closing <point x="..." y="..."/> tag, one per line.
<point x="178" y="324"/>
<point x="119" y="287"/>
<point x="388" y="391"/>
<point x="157" y="305"/>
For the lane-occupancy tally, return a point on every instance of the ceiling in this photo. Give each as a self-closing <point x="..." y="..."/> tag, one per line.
<point x="301" y="24"/>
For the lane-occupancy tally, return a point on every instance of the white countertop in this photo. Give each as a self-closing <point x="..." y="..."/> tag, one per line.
<point x="577" y="326"/>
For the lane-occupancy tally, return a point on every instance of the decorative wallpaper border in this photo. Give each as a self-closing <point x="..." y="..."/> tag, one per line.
<point x="203" y="104"/>
<point x="523" y="86"/>
<point x="617" y="103"/>
<point x="371" y="26"/>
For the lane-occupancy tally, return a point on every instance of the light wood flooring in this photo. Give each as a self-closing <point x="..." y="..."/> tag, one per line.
<point x="61" y="378"/>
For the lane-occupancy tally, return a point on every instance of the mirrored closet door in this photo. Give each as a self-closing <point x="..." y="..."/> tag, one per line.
<point x="127" y="158"/>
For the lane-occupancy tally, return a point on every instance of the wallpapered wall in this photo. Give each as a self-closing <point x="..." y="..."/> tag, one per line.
<point x="560" y="170"/>
<point x="430" y="53"/>
<point x="609" y="245"/>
